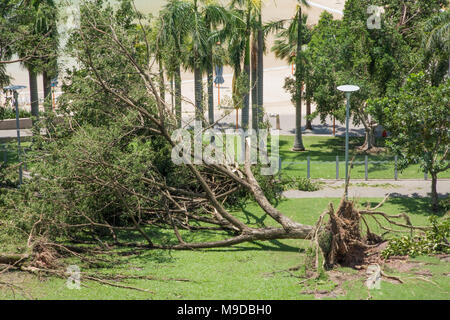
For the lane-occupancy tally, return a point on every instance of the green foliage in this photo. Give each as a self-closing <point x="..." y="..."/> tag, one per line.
<point x="9" y="113"/>
<point x="417" y="116"/>
<point x="436" y="43"/>
<point x="444" y="204"/>
<point x="377" y="60"/>
<point x="434" y="241"/>
<point x="324" y="45"/>
<point x="298" y="183"/>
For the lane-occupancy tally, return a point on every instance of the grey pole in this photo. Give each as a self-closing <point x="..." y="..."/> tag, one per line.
<point x="16" y="103"/>
<point x="14" y="89"/>
<point x="308" y="167"/>
<point x="366" y="167"/>
<point x="337" y="167"/>
<point x="347" y="122"/>
<point x="348" y="89"/>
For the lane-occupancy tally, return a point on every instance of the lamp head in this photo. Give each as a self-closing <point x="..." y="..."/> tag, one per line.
<point x="348" y="88"/>
<point x="14" y="87"/>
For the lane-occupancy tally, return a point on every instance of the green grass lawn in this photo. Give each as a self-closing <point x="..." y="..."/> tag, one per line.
<point x="246" y="271"/>
<point x="8" y="151"/>
<point x="323" y="151"/>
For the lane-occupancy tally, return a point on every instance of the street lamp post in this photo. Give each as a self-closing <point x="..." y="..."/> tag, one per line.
<point x="348" y="89"/>
<point x="53" y="85"/>
<point x="16" y="104"/>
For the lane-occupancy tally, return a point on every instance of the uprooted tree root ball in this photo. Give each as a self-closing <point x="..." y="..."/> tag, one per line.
<point x="341" y="241"/>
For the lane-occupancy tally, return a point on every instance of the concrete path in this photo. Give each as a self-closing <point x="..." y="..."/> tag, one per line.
<point x="374" y="189"/>
<point x="9" y="135"/>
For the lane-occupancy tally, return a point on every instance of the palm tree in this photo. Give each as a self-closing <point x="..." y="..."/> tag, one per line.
<point x="46" y="19"/>
<point x="214" y="15"/>
<point x="199" y="51"/>
<point x="287" y="46"/>
<point x="437" y="43"/>
<point x="260" y="73"/>
<point x="299" y="78"/>
<point x="40" y="22"/>
<point x="207" y="16"/>
<point x="159" y="48"/>
<point x="175" y="28"/>
<point x="233" y="34"/>
<point x="249" y="6"/>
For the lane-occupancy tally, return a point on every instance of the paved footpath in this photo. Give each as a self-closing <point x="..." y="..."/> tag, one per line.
<point x="374" y="189"/>
<point x="11" y="135"/>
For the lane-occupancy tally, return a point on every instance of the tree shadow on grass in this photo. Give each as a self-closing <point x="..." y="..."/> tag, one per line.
<point x="326" y="148"/>
<point x="254" y="219"/>
<point x="415" y="205"/>
<point x="261" y="246"/>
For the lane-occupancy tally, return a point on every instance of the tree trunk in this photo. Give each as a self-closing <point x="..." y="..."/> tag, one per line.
<point x="245" y="108"/>
<point x="434" y="194"/>
<point x="13" y="259"/>
<point x="198" y="94"/>
<point x="172" y="95"/>
<point x="262" y="234"/>
<point x="254" y="83"/>
<point x="178" y="111"/>
<point x="210" y="78"/>
<point x="46" y="82"/>
<point x="235" y="93"/>
<point x="308" y="114"/>
<point x="260" y="80"/>
<point x="210" y="90"/>
<point x="298" y="143"/>
<point x="34" y="97"/>
<point x="162" y="84"/>
<point x="369" y="142"/>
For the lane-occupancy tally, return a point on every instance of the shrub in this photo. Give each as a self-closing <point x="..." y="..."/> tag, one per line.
<point x="10" y="113"/>
<point x="434" y="241"/>
<point x="302" y="184"/>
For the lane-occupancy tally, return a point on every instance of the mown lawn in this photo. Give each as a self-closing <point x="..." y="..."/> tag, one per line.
<point x="323" y="151"/>
<point x="8" y="151"/>
<point x="246" y="271"/>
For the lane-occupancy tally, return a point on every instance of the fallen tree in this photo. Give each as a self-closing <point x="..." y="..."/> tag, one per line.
<point x="106" y="169"/>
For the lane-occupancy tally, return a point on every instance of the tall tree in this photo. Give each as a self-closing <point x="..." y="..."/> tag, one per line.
<point x="418" y="118"/>
<point x="322" y="75"/>
<point x="176" y="24"/>
<point x="46" y="24"/>
<point x="249" y="7"/>
<point x="299" y="79"/>
<point x="285" y="47"/>
<point x="213" y="15"/>
<point x="260" y="70"/>
<point x="233" y="35"/>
